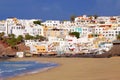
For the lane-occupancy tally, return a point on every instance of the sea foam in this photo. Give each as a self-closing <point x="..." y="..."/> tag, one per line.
<point x="11" y="68"/>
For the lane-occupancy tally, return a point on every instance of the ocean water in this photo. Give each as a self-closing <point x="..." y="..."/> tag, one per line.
<point x="11" y="68"/>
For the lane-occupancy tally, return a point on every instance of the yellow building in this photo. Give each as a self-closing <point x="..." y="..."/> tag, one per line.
<point x="41" y="49"/>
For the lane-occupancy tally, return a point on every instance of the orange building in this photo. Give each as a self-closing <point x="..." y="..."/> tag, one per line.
<point x="41" y="49"/>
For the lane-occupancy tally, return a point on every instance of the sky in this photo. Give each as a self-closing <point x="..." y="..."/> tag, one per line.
<point x="57" y="9"/>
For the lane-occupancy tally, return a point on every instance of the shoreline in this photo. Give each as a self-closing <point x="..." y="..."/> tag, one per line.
<point x="49" y="65"/>
<point x="75" y="69"/>
<point x="31" y="72"/>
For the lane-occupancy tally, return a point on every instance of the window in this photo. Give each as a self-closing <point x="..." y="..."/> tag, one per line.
<point x="109" y="34"/>
<point x="112" y="34"/>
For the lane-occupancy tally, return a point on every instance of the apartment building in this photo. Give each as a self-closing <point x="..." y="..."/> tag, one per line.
<point x="20" y="27"/>
<point x="2" y="27"/>
<point x="51" y="23"/>
<point x="37" y="47"/>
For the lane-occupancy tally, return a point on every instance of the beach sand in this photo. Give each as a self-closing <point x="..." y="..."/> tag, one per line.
<point x="76" y="69"/>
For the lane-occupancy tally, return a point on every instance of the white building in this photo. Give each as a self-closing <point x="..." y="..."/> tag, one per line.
<point x="20" y="27"/>
<point x="51" y="23"/>
<point x="33" y="30"/>
<point x="2" y="27"/>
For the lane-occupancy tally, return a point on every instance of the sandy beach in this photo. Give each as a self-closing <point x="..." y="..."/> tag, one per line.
<point x="76" y="69"/>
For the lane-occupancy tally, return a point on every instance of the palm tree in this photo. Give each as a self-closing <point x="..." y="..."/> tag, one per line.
<point x="95" y="16"/>
<point x="72" y="18"/>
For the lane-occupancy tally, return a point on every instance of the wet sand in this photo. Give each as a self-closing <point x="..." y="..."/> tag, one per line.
<point x="76" y="69"/>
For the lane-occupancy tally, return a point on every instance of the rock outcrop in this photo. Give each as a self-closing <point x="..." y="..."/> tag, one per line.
<point x="7" y="50"/>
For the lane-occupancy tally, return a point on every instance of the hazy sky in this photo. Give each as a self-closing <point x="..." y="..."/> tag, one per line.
<point x="57" y="9"/>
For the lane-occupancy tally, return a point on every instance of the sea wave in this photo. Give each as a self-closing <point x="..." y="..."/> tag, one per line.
<point x="11" y="69"/>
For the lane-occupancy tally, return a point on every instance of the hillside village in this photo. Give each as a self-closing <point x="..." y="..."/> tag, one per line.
<point x="94" y="34"/>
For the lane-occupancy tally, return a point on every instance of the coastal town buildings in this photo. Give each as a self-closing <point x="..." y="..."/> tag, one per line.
<point x="93" y="30"/>
<point x="20" y="27"/>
